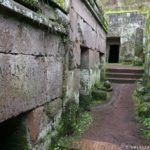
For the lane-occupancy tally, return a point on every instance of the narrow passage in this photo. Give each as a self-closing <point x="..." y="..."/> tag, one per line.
<point x="115" y="122"/>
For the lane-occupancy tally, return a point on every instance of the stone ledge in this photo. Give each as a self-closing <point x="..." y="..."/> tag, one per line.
<point x="29" y="14"/>
<point x="100" y="18"/>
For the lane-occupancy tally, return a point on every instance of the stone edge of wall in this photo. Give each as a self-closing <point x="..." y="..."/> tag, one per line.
<point x="100" y="18"/>
<point x="35" y="17"/>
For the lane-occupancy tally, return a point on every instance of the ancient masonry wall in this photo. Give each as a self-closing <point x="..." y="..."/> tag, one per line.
<point x="46" y="56"/>
<point x="129" y="27"/>
<point x="90" y="44"/>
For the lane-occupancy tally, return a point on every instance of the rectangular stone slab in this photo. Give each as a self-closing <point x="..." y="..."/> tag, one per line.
<point x="27" y="82"/>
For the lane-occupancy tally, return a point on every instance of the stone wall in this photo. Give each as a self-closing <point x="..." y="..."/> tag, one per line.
<point x="46" y="52"/>
<point x="90" y="41"/>
<point x="124" y="4"/>
<point x="129" y="27"/>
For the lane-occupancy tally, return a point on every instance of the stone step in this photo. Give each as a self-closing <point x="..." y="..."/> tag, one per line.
<point x="93" y="145"/>
<point x="122" y="80"/>
<point x="123" y="75"/>
<point x="125" y="70"/>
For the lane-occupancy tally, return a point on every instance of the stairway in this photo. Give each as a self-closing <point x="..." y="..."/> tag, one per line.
<point x="123" y="74"/>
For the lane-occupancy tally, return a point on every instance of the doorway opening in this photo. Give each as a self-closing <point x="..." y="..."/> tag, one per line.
<point x="113" y="49"/>
<point x="114" y="54"/>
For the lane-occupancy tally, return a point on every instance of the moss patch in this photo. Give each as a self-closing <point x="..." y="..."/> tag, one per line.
<point x="85" y="101"/>
<point x="99" y="95"/>
<point x="82" y="125"/>
<point x="32" y="4"/>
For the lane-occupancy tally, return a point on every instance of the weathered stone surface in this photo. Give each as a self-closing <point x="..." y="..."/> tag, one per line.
<point x="15" y="7"/>
<point x="89" y="59"/>
<point x="73" y="85"/>
<point x="27" y="82"/>
<point x="53" y="107"/>
<point x="89" y="77"/>
<point x="74" y="56"/>
<point x="94" y="59"/>
<point x="139" y="43"/>
<point x="35" y="65"/>
<point x="33" y="120"/>
<point x="125" y="25"/>
<point x="22" y="38"/>
<point x="89" y="31"/>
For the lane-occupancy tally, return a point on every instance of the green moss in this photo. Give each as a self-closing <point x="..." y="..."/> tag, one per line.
<point x="99" y="95"/>
<point x="61" y="3"/>
<point x="69" y="117"/>
<point x="85" y="101"/>
<point x="32" y="4"/>
<point x="83" y="123"/>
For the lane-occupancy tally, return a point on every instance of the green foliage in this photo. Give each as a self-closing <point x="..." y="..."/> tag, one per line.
<point x="69" y="118"/>
<point x="61" y="3"/>
<point x="99" y="95"/>
<point x="84" y="102"/>
<point x="137" y="61"/>
<point x="143" y="112"/>
<point x="83" y="122"/>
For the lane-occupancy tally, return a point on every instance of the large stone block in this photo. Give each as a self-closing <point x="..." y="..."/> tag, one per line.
<point x="73" y="85"/>
<point x="94" y="59"/>
<point x="27" y="82"/>
<point x="53" y="107"/>
<point x="22" y="38"/>
<point x="74" y="56"/>
<point x="89" y="77"/>
<point x="33" y="121"/>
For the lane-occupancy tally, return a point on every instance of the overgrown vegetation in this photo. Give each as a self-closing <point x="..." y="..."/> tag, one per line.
<point x="65" y="141"/>
<point x="76" y="119"/>
<point x="72" y="126"/>
<point x="142" y="99"/>
<point x="137" y="61"/>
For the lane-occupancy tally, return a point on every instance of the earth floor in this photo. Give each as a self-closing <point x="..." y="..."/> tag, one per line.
<point x="114" y="122"/>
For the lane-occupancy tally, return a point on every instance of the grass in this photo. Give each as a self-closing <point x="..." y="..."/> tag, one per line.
<point x="142" y="116"/>
<point x="83" y="124"/>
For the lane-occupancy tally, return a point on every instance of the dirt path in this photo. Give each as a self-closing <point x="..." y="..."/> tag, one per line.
<point x="114" y="122"/>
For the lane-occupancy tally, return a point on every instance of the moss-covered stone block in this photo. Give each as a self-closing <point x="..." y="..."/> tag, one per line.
<point x="84" y="101"/>
<point x="99" y="95"/>
<point x="32" y="4"/>
<point x="53" y="107"/>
